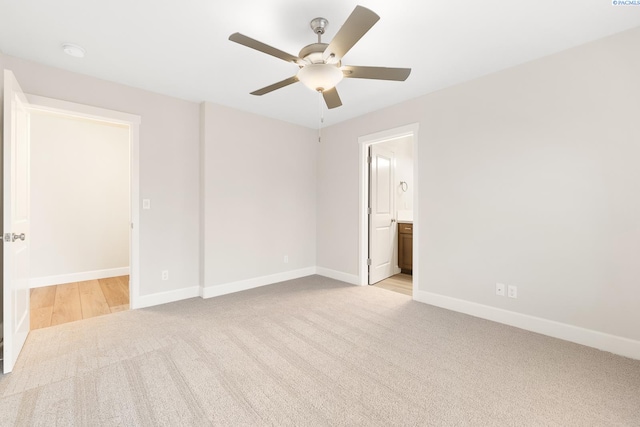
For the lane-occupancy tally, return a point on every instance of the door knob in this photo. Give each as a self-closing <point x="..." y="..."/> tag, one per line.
<point x="393" y="220"/>
<point x="15" y="237"/>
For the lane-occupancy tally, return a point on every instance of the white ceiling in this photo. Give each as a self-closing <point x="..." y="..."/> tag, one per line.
<point x="181" y="48"/>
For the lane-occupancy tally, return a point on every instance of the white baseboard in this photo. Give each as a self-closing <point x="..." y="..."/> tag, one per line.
<point x="166" y="297"/>
<point x="338" y="275"/>
<point x="38" y="282"/>
<point x="611" y="343"/>
<point x="243" y="285"/>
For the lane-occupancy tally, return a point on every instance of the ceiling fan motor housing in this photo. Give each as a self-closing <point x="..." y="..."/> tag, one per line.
<point x="313" y="53"/>
<point x="318" y="25"/>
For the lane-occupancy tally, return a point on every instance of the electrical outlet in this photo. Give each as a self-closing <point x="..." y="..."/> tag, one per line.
<point x="512" y="291"/>
<point x="286" y="259"/>
<point x="500" y="289"/>
<point x="165" y="274"/>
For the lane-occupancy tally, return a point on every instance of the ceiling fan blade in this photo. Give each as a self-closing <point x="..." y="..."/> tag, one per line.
<point x="265" y="48"/>
<point x="271" y="88"/>
<point x="357" y="24"/>
<point x="377" y="73"/>
<point x="331" y="98"/>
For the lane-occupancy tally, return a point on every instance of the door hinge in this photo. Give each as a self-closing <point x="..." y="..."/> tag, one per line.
<point x="369" y="159"/>
<point x="368" y="261"/>
<point x="368" y="211"/>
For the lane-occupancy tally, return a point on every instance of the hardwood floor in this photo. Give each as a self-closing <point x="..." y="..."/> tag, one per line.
<point x="402" y="283"/>
<point x="54" y="305"/>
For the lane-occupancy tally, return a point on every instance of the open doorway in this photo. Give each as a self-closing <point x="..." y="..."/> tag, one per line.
<point x="17" y="110"/>
<point x="388" y="194"/>
<point x="79" y="199"/>
<point x="83" y="177"/>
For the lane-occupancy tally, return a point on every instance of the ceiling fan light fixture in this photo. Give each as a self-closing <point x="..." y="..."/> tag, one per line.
<point x="320" y="77"/>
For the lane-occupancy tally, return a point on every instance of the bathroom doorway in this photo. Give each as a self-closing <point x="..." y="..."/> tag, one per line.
<point x="388" y="208"/>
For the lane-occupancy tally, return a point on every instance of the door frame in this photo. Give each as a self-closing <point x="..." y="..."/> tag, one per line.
<point x="44" y="104"/>
<point x="364" y="143"/>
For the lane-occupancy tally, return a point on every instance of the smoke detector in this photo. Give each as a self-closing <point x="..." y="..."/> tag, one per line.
<point x="73" y="50"/>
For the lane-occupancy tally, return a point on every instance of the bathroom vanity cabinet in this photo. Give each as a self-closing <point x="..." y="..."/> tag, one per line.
<point x="405" y="247"/>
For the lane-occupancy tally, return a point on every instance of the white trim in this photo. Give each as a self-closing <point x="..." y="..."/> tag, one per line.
<point x="58" y="106"/>
<point x="611" y="343"/>
<point x="38" y="282"/>
<point x="167" y="297"/>
<point x="134" y="250"/>
<point x="203" y="197"/>
<point x="364" y="142"/>
<point x="41" y="103"/>
<point x="338" y="275"/>
<point x="243" y="285"/>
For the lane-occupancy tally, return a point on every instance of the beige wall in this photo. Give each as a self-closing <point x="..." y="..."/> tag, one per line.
<point x="528" y="177"/>
<point x="258" y="196"/>
<point x="169" y="168"/>
<point x="79" y="191"/>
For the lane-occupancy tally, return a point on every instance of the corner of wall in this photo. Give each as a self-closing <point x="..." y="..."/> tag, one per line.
<point x="167" y="297"/>
<point x="243" y="285"/>
<point x="202" y="207"/>
<point x="338" y="275"/>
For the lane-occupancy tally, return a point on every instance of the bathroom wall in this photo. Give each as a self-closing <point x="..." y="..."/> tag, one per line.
<point x="403" y="149"/>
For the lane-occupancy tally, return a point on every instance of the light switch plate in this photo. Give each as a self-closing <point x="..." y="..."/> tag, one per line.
<point x="146" y="203"/>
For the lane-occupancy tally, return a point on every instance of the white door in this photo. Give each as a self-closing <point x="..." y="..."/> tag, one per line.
<point x="382" y="218"/>
<point x="16" y="221"/>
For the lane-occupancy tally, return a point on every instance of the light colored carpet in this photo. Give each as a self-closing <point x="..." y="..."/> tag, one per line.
<point x="311" y="351"/>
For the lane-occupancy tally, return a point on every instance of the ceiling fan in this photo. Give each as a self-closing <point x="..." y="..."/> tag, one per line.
<point x="320" y="63"/>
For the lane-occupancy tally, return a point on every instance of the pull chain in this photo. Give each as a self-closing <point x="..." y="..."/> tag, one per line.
<point x="320" y="99"/>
